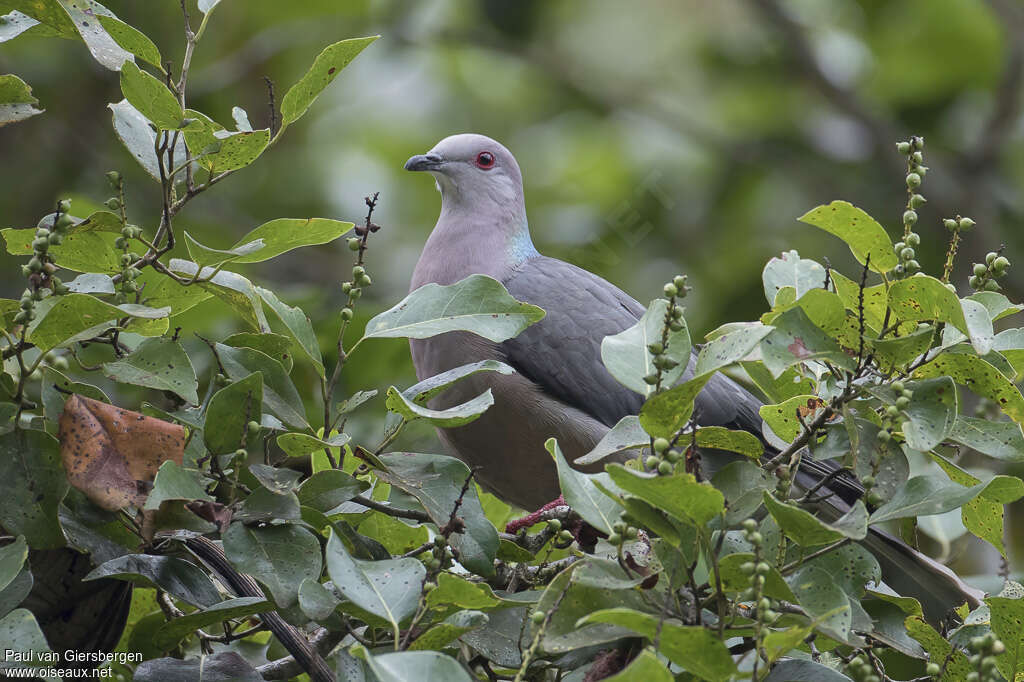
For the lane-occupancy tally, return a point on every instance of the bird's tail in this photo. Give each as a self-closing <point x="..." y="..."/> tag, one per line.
<point x="911" y="573"/>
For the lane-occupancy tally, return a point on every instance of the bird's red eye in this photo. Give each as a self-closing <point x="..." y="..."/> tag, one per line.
<point x="485" y="160"/>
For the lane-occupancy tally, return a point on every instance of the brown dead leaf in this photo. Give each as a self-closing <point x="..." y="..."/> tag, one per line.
<point x="111" y="454"/>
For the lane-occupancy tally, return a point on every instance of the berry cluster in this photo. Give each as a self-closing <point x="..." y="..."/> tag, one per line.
<point x="127" y="287"/>
<point x="563" y="537"/>
<point x="40" y="267"/>
<point x="905" y="250"/>
<point x="983" y="650"/>
<point x="354" y="289"/>
<point x="664" y="458"/>
<point x="860" y="670"/>
<point x="621" y="532"/>
<point x="986" y="274"/>
<point x="675" y="289"/>
<point x="758" y="570"/>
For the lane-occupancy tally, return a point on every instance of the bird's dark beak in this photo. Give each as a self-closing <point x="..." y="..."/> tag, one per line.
<point x="424" y="162"/>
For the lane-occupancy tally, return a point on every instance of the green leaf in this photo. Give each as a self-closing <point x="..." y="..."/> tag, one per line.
<point x="12" y="558"/>
<point x="226" y="666"/>
<point x="1008" y="626"/>
<point x="731" y="347"/>
<point x="20" y="633"/>
<point x="48" y="12"/>
<point x="423" y="391"/>
<point x="103" y="48"/>
<point x="997" y="305"/>
<point x="163" y="291"/>
<point x="626" y="357"/>
<point x="823" y="599"/>
<point x="280" y="557"/>
<point x="325" y="67"/>
<point x="437" y="482"/>
<point x="172" y="632"/>
<point x="1001" y="440"/>
<point x="32" y="487"/>
<point x="241" y="119"/>
<point x="389" y="589"/>
<point x="742" y="482"/>
<point x="16" y="100"/>
<point x="450" y="417"/>
<point x="132" y="40"/>
<point x="316" y="601"/>
<point x="178" y="577"/>
<point x="924" y="495"/>
<point x="979" y="376"/>
<point x="695" y="648"/>
<point x="876" y="299"/>
<point x="456" y="591"/>
<point x="477" y="304"/>
<point x="862" y="233"/>
<point x="413" y="665"/>
<point x="795" y="339"/>
<point x="159" y="363"/>
<point x="299" y="444"/>
<point x="669" y="411"/>
<point x="207" y="6"/>
<point x="62" y="320"/>
<point x="280" y="480"/>
<point x="150" y="97"/>
<point x="582" y="494"/>
<point x="922" y="297"/>
<point x="899" y="350"/>
<point x="952" y="659"/>
<point x="279" y="393"/>
<point x="451" y="628"/>
<point x="173" y="482"/>
<point x="285" y="234"/>
<point x="807" y="530"/>
<point x="298" y="325"/>
<point x="790" y="270"/>
<point x="791" y="383"/>
<point x="679" y="495"/>
<point x="931" y="413"/>
<point x="231" y="409"/>
<point x="132" y="128"/>
<point x="782" y="418"/>
<point x="204" y="255"/>
<point x="627" y="434"/>
<point x="232" y="288"/>
<point x="264" y="506"/>
<point x="235" y="151"/>
<point x="16" y="23"/>
<point x="277" y="346"/>
<point x="778" y="643"/>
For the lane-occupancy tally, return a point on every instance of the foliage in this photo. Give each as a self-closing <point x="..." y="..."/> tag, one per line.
<point x="395" y="561"/>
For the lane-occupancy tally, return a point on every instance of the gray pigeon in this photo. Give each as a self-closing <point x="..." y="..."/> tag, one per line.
<point x="561" y="388"/>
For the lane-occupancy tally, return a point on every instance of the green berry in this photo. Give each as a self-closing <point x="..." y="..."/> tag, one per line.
<point x="114" y="178"/>
<point x="554" y="525"/>
<point x="241" y="452"/>
<point x="909" y="217"/>
<point x="676" y="325"/>
<point x="892" y="410"/>
<point x="913" y="180"/>
<point x="748" y="568"/>
<point x="671" y="290"/>
<point x="990" y="257"/>
<point x="538" y="617"/>
<point x="974" y="281"/>
<point x="1001" y="263"/>
<point x="346" y="287"/>
<point x="868" y="481"/>
<point x="665" y="468"/>
<point x="660" y="445"/>
<point x="764" y="604"/>
<point x="355" y="293"/>
<point x="898" y="386"/>
<point x="884" y="436"/>
<point x="907" y="253"/>
<point x="916" y="201"/>
<point x="346" y="314"/>
<point x="997" y="647"/>
<point x="763" y="568"/>
<point x="113" y="203"/>
<point x="680" y="282"/>
<point x="60" y="363"/>
<point x="652" y="462"/>
<point x="902" y="403"/>
<point x="991" y="285"/>
<point x="614" y="539"/>
<point x="40" y="245"/>
<point x="673" y="456"/>
<point x="358" y="271"/>
<point x="365" y="280"/>
<point x="980" y="269"/>
<point x="874" y="499"/>
<point x="56" y="239"/>
<point x="966" y="224"/>
<point x="755" y="538"/>
<point x="933" y="669"/>
<point x="903" y="147"/>
<point x="750" y="525"/>
<point x="429" y="586"/>
<point x="913" y="266"/>
<point x="917" y="157"/>
<point x="253" y="427"/>
<point x="950" y="224"/>
<point x="632" y="532"/>
<point x="565" y="536"/>
<point x="651" y="379"/>
<point x="64" y="205"/>
<point x="913" y="239"/>
<point x="353" y="243"/>
<point x="899" y="247"/>
<point x="655" y="348"/>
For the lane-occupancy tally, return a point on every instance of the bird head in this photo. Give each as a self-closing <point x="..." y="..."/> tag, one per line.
<point x="472" y="169"/>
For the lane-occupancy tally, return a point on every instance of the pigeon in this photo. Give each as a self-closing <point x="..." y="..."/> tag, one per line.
<point x="560" y="387"/>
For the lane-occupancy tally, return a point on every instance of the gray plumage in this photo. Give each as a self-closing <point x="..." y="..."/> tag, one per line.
<point x="561" y="387"/>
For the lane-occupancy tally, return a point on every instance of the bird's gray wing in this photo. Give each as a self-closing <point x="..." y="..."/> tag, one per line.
<point x="562" y="352"/>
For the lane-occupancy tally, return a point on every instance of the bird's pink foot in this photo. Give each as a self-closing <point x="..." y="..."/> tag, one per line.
<point x="516" y="525"/>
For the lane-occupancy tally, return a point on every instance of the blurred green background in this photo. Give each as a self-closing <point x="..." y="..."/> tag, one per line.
<point x="655" y="137"/>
